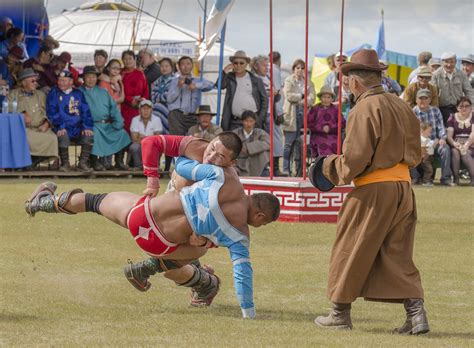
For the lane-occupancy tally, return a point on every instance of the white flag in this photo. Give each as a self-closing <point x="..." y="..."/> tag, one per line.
<point x="214" y="25"/>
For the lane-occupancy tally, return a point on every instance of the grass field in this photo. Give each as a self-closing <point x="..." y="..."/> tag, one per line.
<point x="62" y="282"/>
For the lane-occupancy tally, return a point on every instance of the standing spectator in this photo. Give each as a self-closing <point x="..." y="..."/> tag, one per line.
<point x="41" y="64"/>
<point x="390" y="85"/>
<point x="452" y="84"/>
<point x="434" y="64"/>
<point x="431" y="114"/>
<point x="64" y="62"/>
<point x="205" y="129"/>
<point x="69" y="113"/>
<point x="294" y="107"/>
<point x="423" y="82"/>
<point x="14" y="37"/>
<point x="6" y="80"/>
<point x="427" y="153"/>
<point x="151" y="68"/>
<point x="6" y="24"/>
<point x="468" y="67"/>
<point x="461" y="138"/>
<point x="49" y="43"/>
<point x="330" y="60"/>
<point x="143" y="125"/>
<point x="109" y="136"/>
<point x="42" y="141"/>
<point x="423" y="59"/>
<point x="13" y="61"/>
<point x="244" y="91"/>
<point x="100" y="59"/>
<point x="254" y="157"/>
<point x="322" y="122"/>
<point x="111" y="80"/>
<point x="332" y="80"/>
<point x="184" y="96"/>
<point x="135" y="87"/>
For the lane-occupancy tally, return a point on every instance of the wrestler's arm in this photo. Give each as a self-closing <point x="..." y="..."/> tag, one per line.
<point x="193" y="170"/>
<point x="243" y="278"/>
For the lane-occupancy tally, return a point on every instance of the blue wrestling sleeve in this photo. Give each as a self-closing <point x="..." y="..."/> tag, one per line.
<point x="243" y="278"/>
<point x="193" y="170"/>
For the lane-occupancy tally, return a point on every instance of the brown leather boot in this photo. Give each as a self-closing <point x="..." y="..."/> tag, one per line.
<point x="339" y="317"/>
<point x="417" y="321"/>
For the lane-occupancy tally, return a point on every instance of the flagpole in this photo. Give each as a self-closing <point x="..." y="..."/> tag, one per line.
<point x="219" y="80"/>
<point x="203" y="37"/>
<point x="305" y="111"/>
<point x="271" y="91"/>
<point x="339" y="109"/>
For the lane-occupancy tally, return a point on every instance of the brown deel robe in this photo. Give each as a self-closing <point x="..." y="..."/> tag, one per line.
<point x="372" y="256"/>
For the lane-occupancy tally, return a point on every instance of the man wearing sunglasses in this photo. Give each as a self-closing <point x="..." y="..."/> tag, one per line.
<point x="423" y="82"/>
<point x="244" y="91"/>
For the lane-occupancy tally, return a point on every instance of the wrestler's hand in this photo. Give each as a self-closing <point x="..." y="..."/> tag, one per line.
<point x="200" y="241"/>
<point x="152" y="192"/>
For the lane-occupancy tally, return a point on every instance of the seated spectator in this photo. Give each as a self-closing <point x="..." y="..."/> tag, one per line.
<point x="6" y="80"/>
<point x="41" y="64"/>
<point x="423" y="82"/>
<point x="42" y="141"/>
<point x="109" y="136"/>
<point x="63" y="62"/>
<point x="434" y="64"/>
<point x="111" y="80"/>
<point x="6" y="24"/>
<point x="461" y="138"/>
<point x="135" y="88"/>
<point x="255" y="155"/>
<point x="322" y="122"/>
<point x="468" y="67"/>
<point x="452" y="84"/>
<point x="142" y="126"/>
<point x="423" y="59"/>
<point x="332" y="80"/>
<point x="427" y="153"/>
<point x="151" y="68"/>
<point x="205" y="129"/>
<point x="14" y="37"/>
<point x="183" y="97"/>
<point x="390" y="85"/>
<point x="15" y="55"/>
<point x="100" y="59"/>
<point x="431" y="114"/>
<point x="68" y="111"/>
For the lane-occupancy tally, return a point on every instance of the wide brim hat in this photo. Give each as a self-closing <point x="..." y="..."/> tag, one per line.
<point x="50" y="41"/>
<point x="425" y="72"/>
<point x="25" y="73"/>
<point x="241" y="55"/>
<point x="316" y="176"/>
<point x="204" y="110"/>
<point x="363" y="59"/>
<point x="90" y="69"/>
<point x="326" y="90"/>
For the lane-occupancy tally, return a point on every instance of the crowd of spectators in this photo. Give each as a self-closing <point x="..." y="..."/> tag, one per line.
<point x="111" y="106"/>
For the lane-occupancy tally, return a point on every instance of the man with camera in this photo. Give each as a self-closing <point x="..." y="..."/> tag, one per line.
<point x="184" y="96"/>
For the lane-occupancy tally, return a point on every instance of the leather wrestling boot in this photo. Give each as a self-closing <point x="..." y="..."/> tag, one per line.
<point x="119" y="160"/>
<point x="204" y="286"/>
<point x="417" y="321"/>
<point x="339" y="317"/>
<point x="83" y="165"/>
<point x="64" y="156"/>
<point x="138" y="273"/>
<point x="97" y="164"/>
<point x="45" y="200"/>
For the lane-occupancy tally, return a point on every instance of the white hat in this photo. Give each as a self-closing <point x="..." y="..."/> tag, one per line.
<point x="344" y="54"/>
<point x="146" y="102"/>
<point x="448" y="55"/>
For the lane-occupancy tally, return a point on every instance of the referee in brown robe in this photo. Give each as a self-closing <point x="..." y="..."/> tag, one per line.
<point x="372" y="256"/>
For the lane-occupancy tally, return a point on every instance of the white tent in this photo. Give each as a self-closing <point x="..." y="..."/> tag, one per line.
<point x="116" y="27"/>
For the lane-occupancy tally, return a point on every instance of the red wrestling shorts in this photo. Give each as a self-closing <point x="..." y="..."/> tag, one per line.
<point x="145" y="231"/>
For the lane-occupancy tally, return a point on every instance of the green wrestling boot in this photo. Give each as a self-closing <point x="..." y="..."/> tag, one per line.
<point x="339" y="318"/>
<point x="44" y="199"/>
<point x="417" y="321"/>
<point x="206" y="288"/>
<point x="138" y="273"/>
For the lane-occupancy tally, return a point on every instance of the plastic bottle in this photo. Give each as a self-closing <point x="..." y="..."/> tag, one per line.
<point x="14" y="106"/>
<point x="5" y="106"/>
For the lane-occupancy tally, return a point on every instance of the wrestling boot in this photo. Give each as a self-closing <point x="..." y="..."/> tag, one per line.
<point x="138" y="273"/>
<point x="97" y="164"/>
<point x="44" y="199"/>
<point x="204" y="286"/>
<point x="83" y="165"/>
<point x="417" y="321"/>
<point x="339" y="317"/>
<point x="119" y="164"/>
<point x="64" y="156"/>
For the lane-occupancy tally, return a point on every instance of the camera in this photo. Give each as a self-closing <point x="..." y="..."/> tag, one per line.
<point x="188" y="81"/>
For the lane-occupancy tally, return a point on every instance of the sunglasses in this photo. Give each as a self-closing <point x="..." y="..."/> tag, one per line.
<point x="240" y="63"/>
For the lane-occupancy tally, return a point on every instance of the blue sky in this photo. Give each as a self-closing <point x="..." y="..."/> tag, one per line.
<point x="410" y="26"/>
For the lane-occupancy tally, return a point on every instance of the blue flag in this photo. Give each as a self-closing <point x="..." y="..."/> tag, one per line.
<point x="380" y="42"/>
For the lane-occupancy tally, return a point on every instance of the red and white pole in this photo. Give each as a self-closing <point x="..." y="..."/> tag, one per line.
<point x="339" y="109"/>
<point x="271" y="91"/>
<point x="305" y="111"/>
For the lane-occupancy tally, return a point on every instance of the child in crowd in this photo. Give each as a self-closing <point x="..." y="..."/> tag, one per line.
<point x="427" y="153"/>
<point x="322" y="121"/>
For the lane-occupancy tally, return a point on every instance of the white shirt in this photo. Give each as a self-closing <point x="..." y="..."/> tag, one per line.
<point x="243" y="98"/>
<point x="153" y="125"/>
<point x="247" y="135"/>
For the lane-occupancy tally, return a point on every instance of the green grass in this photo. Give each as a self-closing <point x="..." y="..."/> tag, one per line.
<point x="62" y="282"/>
